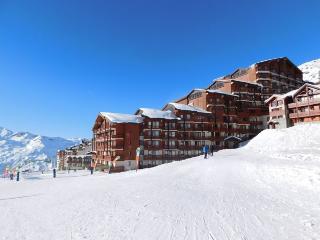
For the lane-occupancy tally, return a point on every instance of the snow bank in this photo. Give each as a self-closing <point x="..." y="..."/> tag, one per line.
<point x="298" y="138"/>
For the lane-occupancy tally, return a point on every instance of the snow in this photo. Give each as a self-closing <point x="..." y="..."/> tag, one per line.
<point x="257" y="84"/>
<point x="269" y="189"/>
<point x="311" y="71"/>
<point x="221" y="92"/>
<point x="29" y="150"/>
<point x="157" y="114"/>
<point x="184" y="107"/>
<point x="122" y="118"/>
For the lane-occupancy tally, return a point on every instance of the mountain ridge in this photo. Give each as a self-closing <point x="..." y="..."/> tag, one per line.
<point x="30" y="150"/>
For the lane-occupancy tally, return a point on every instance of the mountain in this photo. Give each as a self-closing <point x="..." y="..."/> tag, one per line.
<point x="311" y="71"/>
<point x="29" y="150"/>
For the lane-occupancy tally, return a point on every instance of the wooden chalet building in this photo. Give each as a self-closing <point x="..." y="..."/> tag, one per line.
<point x="251" y="111"/>
<point x="76" y="157"/>
<point x="223" y="109"/>
<point x="298" y="106"/>
<point x="305" y="106"/>
<point x="194" y="129"/>
<point x="279" y="111"/>
<point x="116" y="135"/>
<point x="278" y="76"/>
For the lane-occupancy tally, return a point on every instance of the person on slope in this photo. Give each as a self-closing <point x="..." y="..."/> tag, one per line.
<point x="205" y="151"/>
<point x="211" y="149"/>
<point x="138" y="151"/>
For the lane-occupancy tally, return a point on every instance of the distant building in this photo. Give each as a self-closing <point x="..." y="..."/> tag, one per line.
<point x="76" y="157"/>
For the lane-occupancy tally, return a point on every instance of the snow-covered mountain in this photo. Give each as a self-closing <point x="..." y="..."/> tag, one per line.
<point x="311" y="71"/>
<point x="29" y="150"/>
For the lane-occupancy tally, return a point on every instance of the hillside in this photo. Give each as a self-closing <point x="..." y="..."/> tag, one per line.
<point x="269" y="189"/>
<point x="311" y="71"/>
<point x="29" y="150"/>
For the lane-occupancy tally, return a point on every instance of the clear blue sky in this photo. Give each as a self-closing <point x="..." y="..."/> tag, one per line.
<point x="63" y="61"/>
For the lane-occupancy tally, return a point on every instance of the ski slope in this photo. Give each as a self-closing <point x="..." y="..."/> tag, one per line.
<point x="269" y="189"/>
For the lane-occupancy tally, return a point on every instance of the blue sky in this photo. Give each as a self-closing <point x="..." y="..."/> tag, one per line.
<point x="61" y="62"/>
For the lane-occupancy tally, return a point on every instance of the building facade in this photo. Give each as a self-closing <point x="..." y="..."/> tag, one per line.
<point x="277" y="76"/>
<point x="76" y="157"/>
<point x="116" y="138"/>
<point x="305" y="106"/>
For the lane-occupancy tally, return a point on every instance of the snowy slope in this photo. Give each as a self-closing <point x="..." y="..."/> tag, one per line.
<point x="311" y="71"/>
<point x="247" y="194"/>
<point x="27" y="149"/>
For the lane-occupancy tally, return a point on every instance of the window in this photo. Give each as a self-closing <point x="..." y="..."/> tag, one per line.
<point x="155" y="124"/>
<point x="155" y="133"/>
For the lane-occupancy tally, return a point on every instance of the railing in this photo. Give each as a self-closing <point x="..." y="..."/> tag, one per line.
<point x="305" y="114"/>
<point x="304" y="103"/>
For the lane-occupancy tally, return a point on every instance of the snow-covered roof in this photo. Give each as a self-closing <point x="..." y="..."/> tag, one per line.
<point x="271" y="59"/>
<point x="187" y="108"/>
<point x="156" y="113"/>
<point x="232" y="137"/>
<point x="282" y="96"/>
<point x="302" y="87"/>
<point x="221" y="92"/>
<point x="121" y="118"/>
<point x="236" y="80"/>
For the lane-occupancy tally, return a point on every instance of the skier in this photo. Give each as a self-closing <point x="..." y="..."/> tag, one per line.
<point x="205" y="151"/>
<point x="11" y="175"/>
<point x="211" y="149"/>
<point x="18" y="174"/>
<point x="92" y="166"/>
<point x="138" y="150"/>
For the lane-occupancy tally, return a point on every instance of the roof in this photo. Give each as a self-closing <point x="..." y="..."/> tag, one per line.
<point x="303" y="86"/>
<point x="187" y="95"/>
<point x="232" y="137"/>
<point x="281" y="96"/>
<point x="221" y="92"/>
<point x="187" y="108"/>
<point x="236" y="80"/>
<point x="156" y="113"/>
<point x="121" y="118"/>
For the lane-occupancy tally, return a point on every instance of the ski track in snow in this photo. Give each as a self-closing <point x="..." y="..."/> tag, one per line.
<point x="236" y="194"/>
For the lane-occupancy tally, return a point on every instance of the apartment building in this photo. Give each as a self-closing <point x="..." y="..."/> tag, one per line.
<point x="76" y="157"/>
<point x="278" y="76"/>
<point x="224" y="115"/>
<point x="279" y="111"/>
<point x="194" y="129"/>
<point x="252" y="113"/>
<point x="305" y="106"/>
<point x="295" y="107"/>
<point x="116" y="136"/>
<point x="158" y="138"/>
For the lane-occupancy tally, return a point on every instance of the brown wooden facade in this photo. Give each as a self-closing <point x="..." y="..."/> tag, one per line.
<point x="277" y="76"/>
<point x="305" y="106"/>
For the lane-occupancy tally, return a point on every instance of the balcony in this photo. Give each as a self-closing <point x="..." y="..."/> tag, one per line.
<point x="305" y="103"/>
<point x="305" y="114"/>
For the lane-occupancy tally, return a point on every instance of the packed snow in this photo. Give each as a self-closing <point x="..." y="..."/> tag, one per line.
<point x="186" y="107"/>
<point x="29" y="150"/>
<point x="311" y="71"/>
<point x="268" y="189"/>
<point x="156" y="113"/>
<point x="122" y="118"/>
